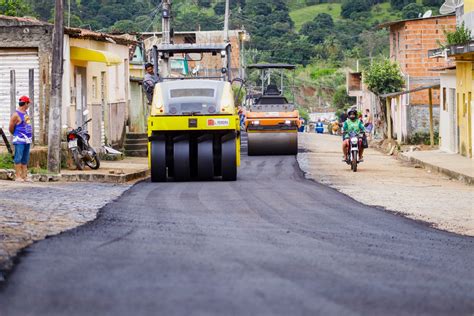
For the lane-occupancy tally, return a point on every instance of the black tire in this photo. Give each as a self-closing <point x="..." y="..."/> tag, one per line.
<point x="181" y="159"/>
<point x="229" y="158"/>
<point x="158" y="160"/>
<point x="95" y="163"/>
<point x="354" y="162"/>
<point x="205" y="158"/>
<point x="78" y="160"/>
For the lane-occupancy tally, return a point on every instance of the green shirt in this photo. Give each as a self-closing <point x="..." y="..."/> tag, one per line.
<point x="353" y="126"/>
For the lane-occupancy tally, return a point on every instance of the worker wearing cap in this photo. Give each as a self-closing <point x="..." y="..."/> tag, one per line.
<point x="21" y="129"/>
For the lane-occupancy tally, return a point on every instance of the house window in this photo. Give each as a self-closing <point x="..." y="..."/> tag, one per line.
<point x="445" y="108"/>
<point x="94" y="88"/>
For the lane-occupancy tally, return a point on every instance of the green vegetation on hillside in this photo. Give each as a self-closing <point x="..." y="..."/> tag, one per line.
<point x="306" y="14"/>
<point x="325" y="36"/>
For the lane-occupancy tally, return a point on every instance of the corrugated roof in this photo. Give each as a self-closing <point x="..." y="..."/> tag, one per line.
<point x="388" y="24"/>
<point x="395" y="94"/>
<point x="124" y="39"/>
<point x="23" y="20"/>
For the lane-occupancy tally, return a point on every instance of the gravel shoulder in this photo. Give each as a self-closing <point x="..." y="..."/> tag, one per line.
<point x="389" y="183"/>
<point x="33" y="211"/>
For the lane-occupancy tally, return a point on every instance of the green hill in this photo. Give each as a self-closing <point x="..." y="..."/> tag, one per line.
<point x="300" y="14"/>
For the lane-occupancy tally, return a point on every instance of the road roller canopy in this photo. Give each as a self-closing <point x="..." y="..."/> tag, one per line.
<point x="193" y="97"/>
<point x="206" y="61"/>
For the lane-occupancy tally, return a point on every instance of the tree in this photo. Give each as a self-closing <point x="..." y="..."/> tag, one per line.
<point x="14" y="7"/>
<point x="433" y="3"/>
<point x="412" y="11"/>
<point x="384" y="77"/>
<point x="319" y="28"/>
<point x="381" y="78"/>
<point x="353" y="6"/>
<point x="399" y="4"/>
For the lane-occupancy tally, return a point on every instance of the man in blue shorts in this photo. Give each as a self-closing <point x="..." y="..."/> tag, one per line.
<point x="21" y="129"/>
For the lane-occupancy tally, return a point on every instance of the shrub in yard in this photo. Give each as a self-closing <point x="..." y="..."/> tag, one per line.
<point x="419" y="138"/>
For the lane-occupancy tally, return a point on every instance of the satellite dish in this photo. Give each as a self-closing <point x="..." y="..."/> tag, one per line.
<point x="450" y="6"/>
<point x="427" y="14"/>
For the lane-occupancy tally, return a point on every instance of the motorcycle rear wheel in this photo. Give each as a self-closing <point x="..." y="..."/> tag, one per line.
<point x="77" y="160"/>
<point x="94" y="164"/>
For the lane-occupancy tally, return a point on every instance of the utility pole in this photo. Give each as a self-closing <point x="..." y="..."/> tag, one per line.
<point x="226" y="21"/>
<point x="166" y="34"/>
<point x="54" y="135"/>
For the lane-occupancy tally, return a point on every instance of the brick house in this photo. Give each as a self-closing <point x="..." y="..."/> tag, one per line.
<point x="410" y="41"/>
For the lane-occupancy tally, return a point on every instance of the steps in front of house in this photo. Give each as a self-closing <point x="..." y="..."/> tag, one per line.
<point x="136" y="145"/>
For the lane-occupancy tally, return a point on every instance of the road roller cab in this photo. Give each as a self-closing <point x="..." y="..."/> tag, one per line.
<point x="271" y="121"/>
<point x="193" y="126"/>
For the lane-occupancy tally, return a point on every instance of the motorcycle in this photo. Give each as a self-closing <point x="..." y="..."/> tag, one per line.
<point x="355" y="141"/>
<point x="82" y="153"/>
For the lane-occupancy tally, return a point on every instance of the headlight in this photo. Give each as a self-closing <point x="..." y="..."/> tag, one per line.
<point x="255" y="122"/>
<point x="211" y="109"/>
<point x="354" y="140"/>
<point x="288" y="122"/>
<point x="173" y="110"/>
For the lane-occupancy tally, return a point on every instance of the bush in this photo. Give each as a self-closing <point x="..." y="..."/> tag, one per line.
<point x="6" y="161"/>
<point x="462" y="35"/>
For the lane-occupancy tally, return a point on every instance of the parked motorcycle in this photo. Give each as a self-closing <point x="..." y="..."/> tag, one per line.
<point x="82" y="153"/>
<point x="355" y="141"/>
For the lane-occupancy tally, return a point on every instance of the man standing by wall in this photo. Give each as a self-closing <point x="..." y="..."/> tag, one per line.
<point x="21" y="129"/>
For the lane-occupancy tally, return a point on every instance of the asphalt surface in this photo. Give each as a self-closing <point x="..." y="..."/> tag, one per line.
<point x="271" y="243"/>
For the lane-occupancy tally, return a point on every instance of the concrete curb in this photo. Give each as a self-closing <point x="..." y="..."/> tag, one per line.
<point x="450" y="173"/>
<point x="105" y="178"/>
<point x="82" y="177"/>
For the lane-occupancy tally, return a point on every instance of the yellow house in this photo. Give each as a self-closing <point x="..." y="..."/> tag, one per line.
<point x="96" y="79"/>
<point x="464" y="58"/>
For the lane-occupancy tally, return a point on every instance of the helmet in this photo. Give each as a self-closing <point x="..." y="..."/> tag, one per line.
<point x="352" y="110"/>
<point x="24" y="99"/>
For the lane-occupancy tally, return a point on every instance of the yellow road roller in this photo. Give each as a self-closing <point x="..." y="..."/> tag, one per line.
<point x="271" y="121"/>
<point x="193" y="127"/>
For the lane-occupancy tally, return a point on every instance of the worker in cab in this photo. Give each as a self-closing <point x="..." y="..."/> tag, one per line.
<point x="149" y="81"/>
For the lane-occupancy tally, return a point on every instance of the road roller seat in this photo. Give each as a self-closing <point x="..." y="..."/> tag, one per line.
<point x="269" y="99"/>
<point x="272" y="90"/>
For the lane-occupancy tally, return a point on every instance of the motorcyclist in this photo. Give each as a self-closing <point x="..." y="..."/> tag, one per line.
<point x="352" y="124"/>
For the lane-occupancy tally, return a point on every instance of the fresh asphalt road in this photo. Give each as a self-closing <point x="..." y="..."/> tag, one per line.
<point x="271" y="243"/>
